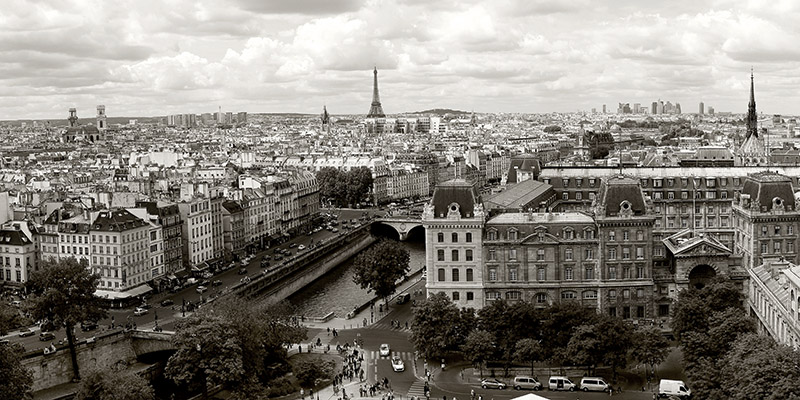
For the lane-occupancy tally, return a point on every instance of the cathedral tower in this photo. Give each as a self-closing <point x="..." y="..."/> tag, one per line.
<point x="101" y="117"/>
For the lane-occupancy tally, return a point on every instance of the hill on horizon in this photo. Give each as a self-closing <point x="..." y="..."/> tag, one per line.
<point x="442" y="111"/>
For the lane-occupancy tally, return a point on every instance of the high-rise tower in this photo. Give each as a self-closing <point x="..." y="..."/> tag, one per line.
<point x="101" y="117"/>
<point x="375" y="110"/>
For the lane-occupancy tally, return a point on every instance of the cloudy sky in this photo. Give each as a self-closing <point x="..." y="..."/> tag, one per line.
<point x="157" y="57"/>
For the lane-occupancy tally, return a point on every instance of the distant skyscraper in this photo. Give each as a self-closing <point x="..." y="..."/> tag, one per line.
<point x="604" y="108"/>
<point x="637" y="108"/>
<point x="702" y="108"/>
<point x="654" y="108"/>
<point x="677" y="108"/>
<point x="710" y="110"/>
<point x="659" y="107"/>
<point x="375" y="110"/>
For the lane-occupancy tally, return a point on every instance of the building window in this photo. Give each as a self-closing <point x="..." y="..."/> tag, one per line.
<point x="541" y="274"/>
<point x="493" y="274"/>
<point x="468" y="255"/>
<point x="492" y="295"/>
<point x="456" y="296"/>
<point x="777" y="230"/>
<point x="540" y="255"/>
<point x="590" y="294"/>
<point x="589" y="234"/>
<point x="639" y="272"/>
<point x="626" y="253"/>
<point x="640" y="293"/>
<point x="454" y="237"/>
<point x="440" y="255"/>
<point x="541" y="298"/>
<point x="612" y="272"/>
<point x="469" y="275"/>
<point x="639" y="253"/>
<point x="578" y="196"/>
<point x="440" y="237"/>
<point x="568" y="275"/>
<point x="492" y="235"/>
<point x="567" y="295"/>
<point x="763" y="231"/>
<point x="777" y="247"/>
<point x="612" y="236"/>
<point x="626" y="293"/>
<point x="568" y="254"/>
<point x="492" y="255"/>
<point x="513" y="295"/>
<point x="588" y="273"/>
<point x="512" y="274"/>
<point x="764" y="248"/>
<point x="569" y="234"/>
<point x="470" y="296"/>
<point x="612" y="293"/>
<point x="612" y="254"/>
<point x="790" y="247"/>
<point x="565" y="196"/>
<point x="589" y="254"/>
<point x="455" y="275"/>
<point x="512" y="235"/>
<point x="663" y="310"/>
<point x="626" y="235"/>
<point x="441" y="274"/>
<point x="469" y="237"/>
<point x="512" y="254"/>
<point x="626" y="312"/>
<point x="639" y="311"/>
<point x="454" y="255"/>
<point x="790" y="229"/>
<point x="612" y="311"/>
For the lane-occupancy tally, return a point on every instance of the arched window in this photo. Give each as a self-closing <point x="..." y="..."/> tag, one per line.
<point x="515" y="295"/>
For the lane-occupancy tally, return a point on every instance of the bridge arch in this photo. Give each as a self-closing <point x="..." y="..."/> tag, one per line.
<point x="401" y="227"/>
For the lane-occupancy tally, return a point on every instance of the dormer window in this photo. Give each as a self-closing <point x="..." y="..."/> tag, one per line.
<point x="512" y="234"/>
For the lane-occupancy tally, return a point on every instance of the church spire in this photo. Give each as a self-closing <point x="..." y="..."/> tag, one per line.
<point x="375" y="110"/>
<point x="752" y="117"/>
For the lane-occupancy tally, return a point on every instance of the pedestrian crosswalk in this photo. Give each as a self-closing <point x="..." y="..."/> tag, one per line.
<point x="387" y="324"/>
<point x="404" y="355"/>
<point x="417" y="389"/>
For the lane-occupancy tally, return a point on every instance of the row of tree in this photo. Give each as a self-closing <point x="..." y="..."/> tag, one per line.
<point x="723" y="356"/>
<point x="507" y="333"/>
<point x="344" y="189"/>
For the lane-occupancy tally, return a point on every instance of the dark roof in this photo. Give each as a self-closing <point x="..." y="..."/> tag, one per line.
<point x="14" y="237"/>
<point x="525" y="162"/>
<point x="232" y="206"/>
<point x="457" y="191"/>
<point x="620" y="189"/>
<point x="117" y="221"/>
<point x="525" y="194"/>
<point x="764" y="187"/>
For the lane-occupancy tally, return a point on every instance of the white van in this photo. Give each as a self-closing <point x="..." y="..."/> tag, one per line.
<point x="560" y="383"/>
<point x="669" y="387"/>
<point x="526" y="382"/>
<point x="593" y="384"/>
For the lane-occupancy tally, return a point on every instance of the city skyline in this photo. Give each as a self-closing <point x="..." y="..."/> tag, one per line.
<point x="517" y="57"/>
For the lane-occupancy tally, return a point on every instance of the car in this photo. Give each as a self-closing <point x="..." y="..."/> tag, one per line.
<point x="301" y="247"/>
<point x="47" y="336"/>
<point x="242" y="271"/>
<point x="384" y="350"/>
<point x="335" y="230"/>
<point x="139" y="311"/>
<point x="560" y="383"/>
<point x="207" y="275"/>
<point x="88" y="326"/>
<point x="491" y="383"/>
<point x="264" y="263"/>
<point x="167" y="302"/>
<point x="201" y="289"/>
<point x="397" y="364"/>
<point x="293" y="245"/>
<point x="5" y="342"/>
<point x="145" y="306"/>
<point x="245" y="280"/>
<point x="526" y="382"/>
<point x="216" y="282"/>
<point x="25" y="332"/>
<point x="594" y="384"/>
<point x="278" y="257"/>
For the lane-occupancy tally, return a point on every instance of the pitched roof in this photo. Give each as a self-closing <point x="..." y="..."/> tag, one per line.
<point x="457" y="191"/>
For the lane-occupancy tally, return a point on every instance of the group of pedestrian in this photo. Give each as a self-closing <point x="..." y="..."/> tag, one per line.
<point x="333" y="332"/>
<point x="351" y="366"/>
<point x="397" y="324"/>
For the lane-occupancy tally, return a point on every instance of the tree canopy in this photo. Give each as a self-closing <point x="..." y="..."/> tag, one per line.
<point x="344" y="188"/>
<point x="478" y="348"/>
<point x="63" y="293"/>
<point x="15" y="380"/>
<point x="435" y="326"/>
<point x="380" y="266"/>
<point x="106" y="385"/>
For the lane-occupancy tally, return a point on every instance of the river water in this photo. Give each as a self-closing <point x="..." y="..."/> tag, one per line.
<point x="336" y="292"/>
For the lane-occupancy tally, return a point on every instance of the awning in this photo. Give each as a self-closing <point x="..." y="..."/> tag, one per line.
<point x="110" y="294"/>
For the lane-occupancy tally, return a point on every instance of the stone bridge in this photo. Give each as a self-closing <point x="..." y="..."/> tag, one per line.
<point x="402" y="225"/>
<point x="148" y="342"/>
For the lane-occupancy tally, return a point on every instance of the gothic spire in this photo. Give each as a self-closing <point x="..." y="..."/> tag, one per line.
<point x="752" y="117"/>
<point x="375" y="110"/>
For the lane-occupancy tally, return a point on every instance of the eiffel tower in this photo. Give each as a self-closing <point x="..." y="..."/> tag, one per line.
<point x="375" y="110"/>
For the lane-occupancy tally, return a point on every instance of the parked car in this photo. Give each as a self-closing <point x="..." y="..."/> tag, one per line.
<point x="201" y="289"/>
<point x="216" y="282"/>
<point x="403" y="298"/>
<point x="242" y="271"/>
<point x="384" y="350"/>
<point x="139" y="311"/>
<point x="293" y="245"/>
<point x="88" y="326"/>
<point x="491" y="383"/>
<point x="145" y="306"/>
<point x="397" y="364"/>
<point x="301" y="247"/>
<point x="245" y="280"/>
<point x="560" y="383"/>
<point x="167" y="302"/>
<point x="25" y="332"/>
<point x="47" y="336"/>
<point x="526" y="382"/>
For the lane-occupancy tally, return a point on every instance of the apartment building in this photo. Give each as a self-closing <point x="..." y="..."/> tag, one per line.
<point x="197" y="230"/>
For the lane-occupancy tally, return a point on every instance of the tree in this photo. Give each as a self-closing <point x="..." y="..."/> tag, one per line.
<point x="309" y="371"/>
<point x="208" y="351"/>
<point x="331" y="184"/>
<point x="64" y="294"/>
<point x="496" y="319"/>
<point x="650" y="347"/>
<point x="378" y="268"/>
<point x="585" y="347"/>
<point x="435" y="325"/>
<point x="478" y="348"/>
<point x="758" y="368"/>
<point x="695" y="306"/>
<point x="105" y="385"/>
<point x="528" y="351"/>
<point x="617" y="338"/>
<point x="15" y="380"/>
<point x="359" y="184"/>
<point x="558" y="323"/>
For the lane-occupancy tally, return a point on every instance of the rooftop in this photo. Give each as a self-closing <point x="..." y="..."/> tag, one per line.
<point x="541" y="218"/>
